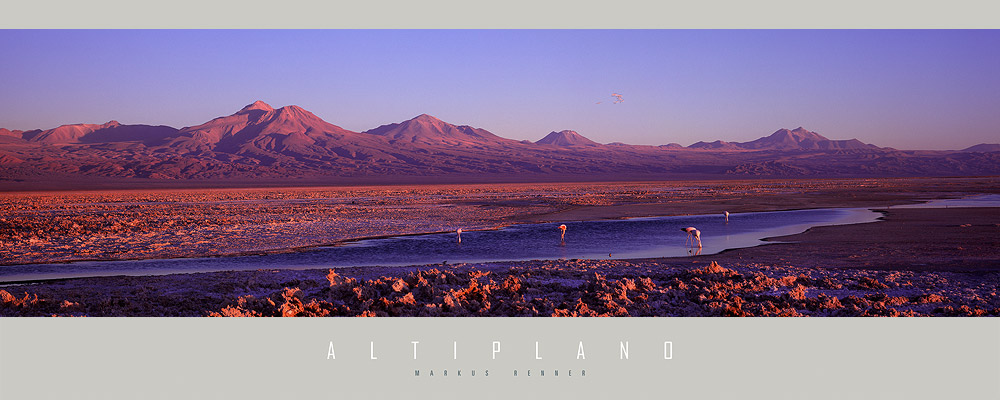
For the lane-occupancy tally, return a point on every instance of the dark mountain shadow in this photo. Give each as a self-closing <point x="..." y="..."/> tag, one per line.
<point x="148" y="135"/>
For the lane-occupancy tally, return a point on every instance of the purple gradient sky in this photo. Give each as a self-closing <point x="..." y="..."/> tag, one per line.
<point x="923" y="89"/>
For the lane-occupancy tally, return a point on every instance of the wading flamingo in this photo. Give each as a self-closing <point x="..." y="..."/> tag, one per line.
<point x="562" y="228"/>
<point x="726" y="213"/>
<point x="459" y="231"/>
<point x="692" y="234"/>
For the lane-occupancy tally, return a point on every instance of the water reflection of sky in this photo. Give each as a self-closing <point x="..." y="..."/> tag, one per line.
<point x="983" y="200"/>
<point x="626" y="238"/>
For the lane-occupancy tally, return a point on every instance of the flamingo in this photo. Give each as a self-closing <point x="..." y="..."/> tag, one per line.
<point x="459" y="231"/>
<point x="563" y="229"/>
<point x="726" y="213"/>
<point x="692" y="233"/>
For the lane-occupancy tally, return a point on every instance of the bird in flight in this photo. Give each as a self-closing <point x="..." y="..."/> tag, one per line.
<point x="618" y="99"/>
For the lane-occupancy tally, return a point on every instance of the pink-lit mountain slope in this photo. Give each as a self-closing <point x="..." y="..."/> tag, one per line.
<point x="290" y="144"/>
<point x="789" y="140"/>
<point x="111" y="131"/>
<point x="258" y="126"/>
<point x="430" y="131"/>
<point x="566" y="138"/>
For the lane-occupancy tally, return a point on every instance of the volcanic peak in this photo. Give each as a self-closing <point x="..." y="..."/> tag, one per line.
<point x="798" y="134"/>
<point x="426" y="118"/>
<point x="257" y="105"/>
<point x="565" y="138"/>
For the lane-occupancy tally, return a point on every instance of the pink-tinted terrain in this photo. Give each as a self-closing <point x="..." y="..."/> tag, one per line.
<point x="40" y="227"/>
<point x="260" y="145"/>
<point x="935" y="262"/>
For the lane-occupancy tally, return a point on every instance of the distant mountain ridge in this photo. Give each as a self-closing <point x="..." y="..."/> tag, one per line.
<point x="291" y="143"/>
<point x="566" y="138"/>
<point x="258" y="126"/>
<point x="785" y="139"/>
<point x="983" y="148"/>
<point x="111" y="131"/>
<point x="427" y="130"/>
<point x="292" y="125"/>
<point x="70" y="133"/>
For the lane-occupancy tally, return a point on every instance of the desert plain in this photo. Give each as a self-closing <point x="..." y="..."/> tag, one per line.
<point x="912" y="262"/>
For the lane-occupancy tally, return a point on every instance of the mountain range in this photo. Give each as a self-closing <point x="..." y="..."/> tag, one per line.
<point x="784" y="139"/>
<point x="260" y="143"/>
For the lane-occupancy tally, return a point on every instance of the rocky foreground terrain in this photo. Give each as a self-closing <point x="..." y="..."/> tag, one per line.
<point x="570" y="288"/>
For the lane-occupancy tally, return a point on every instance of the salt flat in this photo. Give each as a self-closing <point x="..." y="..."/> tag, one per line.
<point x="917" y="262"/>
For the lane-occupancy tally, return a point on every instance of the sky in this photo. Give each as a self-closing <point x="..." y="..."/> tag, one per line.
<point x="908" y="89"/>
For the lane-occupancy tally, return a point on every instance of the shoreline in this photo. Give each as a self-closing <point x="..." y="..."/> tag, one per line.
<point x="827" y="271"/>
<point x="355" y="240"/>
<point x="917" y="239"/>
<point x="138" y="249"/>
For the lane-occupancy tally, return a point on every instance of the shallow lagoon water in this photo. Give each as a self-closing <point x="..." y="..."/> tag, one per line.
<point x="625" y="238"/>
<point x="983" y="200"/>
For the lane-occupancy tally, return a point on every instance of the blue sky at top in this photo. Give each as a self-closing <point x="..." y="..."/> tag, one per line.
<point x="910" y="89"/>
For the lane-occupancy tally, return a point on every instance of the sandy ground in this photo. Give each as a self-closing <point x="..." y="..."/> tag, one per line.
<point x="917" y="262"/>
<point x="913" y="239"/>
